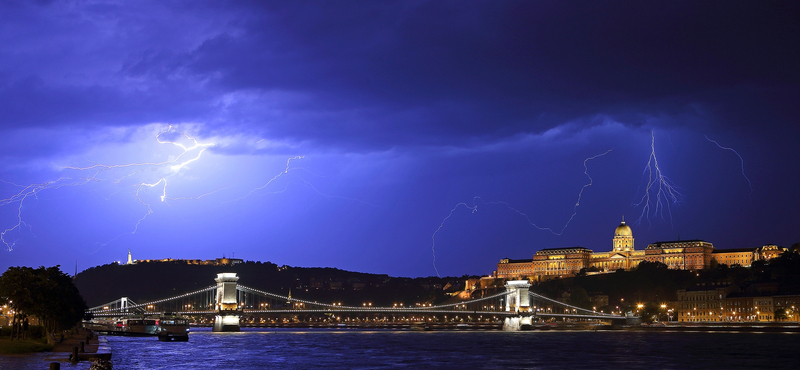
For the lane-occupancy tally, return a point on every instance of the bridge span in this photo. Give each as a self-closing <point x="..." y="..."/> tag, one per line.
<point x="229" y="302"/>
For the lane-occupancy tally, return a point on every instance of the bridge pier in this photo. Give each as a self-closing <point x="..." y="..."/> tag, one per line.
<point x="518" y="301"/>
<point x="226" y="307"/>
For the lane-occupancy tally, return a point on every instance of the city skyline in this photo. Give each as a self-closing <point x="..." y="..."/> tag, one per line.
<point x="401" y="138"/>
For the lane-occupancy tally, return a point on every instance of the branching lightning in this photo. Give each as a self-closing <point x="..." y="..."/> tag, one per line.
<point x="149" y="209"/>
<point x="740" y="159"/>
<point x="31" y="190"/>
<point x="175" y="164"/>
<point x="189" y="151"/>
<point x="285" y="171"/>
<point x="184" y="158"/>
<point x="659" y="191"/>
<point x="474" y="208"/>
<point x="307" y="184"/>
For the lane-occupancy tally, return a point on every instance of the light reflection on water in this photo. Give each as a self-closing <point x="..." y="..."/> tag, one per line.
<point x="382" y="349"/>
<point x="39" y="361"/>
<point x="387" y="349"/>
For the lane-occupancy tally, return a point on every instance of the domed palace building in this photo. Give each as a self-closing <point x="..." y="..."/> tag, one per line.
<point x="556" y="263"/>
<point x="553" y="263"/>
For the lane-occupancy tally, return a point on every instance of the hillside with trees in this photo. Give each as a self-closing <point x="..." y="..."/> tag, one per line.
<point x="150" y="281"/>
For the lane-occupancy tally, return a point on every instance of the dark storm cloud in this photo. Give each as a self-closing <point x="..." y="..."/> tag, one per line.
<point x="500" y="68"/>
<point x="369" y="74"/>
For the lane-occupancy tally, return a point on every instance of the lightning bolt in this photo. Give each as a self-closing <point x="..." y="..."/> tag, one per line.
<point x="474" y="208"/>
<point x="307" y="184"/>
<point x="175" y="164"/>
<point x="31" y="190"/>
<point x="740" y="159"/>
<point x="659" y="189"/>
<point x="191" y="150"/>
<point x="285" y="171"/>
<point x="149" y="209"/>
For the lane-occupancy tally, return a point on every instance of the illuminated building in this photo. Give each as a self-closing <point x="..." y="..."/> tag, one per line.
<point x="768" y="252"/>
<point x="746" y="256"/>
<point x="681" y="254"/>
<point x="514" y="269"/>
<point x="622" y="255"/>
<point x="790" y="304"/>
<point x="558" y="262"/>
<point x="721" y="302"/>
<point x="552" y="263"/>
<point x="215" y="262"/>
<point x="703" y="303"/>
<point x="739" y="256"/>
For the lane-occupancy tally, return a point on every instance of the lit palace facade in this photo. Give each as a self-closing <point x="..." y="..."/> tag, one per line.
<point x="562" y="262"/>
<point x="680" y="254"/>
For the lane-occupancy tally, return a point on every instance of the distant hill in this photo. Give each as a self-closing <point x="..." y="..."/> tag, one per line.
<point x="150" y="281"/>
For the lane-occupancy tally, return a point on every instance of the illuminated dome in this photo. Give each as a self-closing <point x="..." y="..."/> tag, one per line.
<point x="623" y="230"/>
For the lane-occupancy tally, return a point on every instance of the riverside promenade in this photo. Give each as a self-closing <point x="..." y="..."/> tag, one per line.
<point x="94" y="347"/>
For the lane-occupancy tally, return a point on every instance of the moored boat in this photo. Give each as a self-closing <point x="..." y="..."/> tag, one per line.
<point x="173" y="328"/>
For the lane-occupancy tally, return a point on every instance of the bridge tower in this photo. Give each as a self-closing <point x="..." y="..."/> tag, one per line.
<point x="518" y="301"/>
<point x="227" y="307"/>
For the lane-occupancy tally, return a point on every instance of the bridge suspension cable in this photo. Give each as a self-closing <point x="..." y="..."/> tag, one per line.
<point x="575" y="308"/>
<point x="140" y="305"/>
<point x="122" y="303"/>
<point x="356" y="308"/>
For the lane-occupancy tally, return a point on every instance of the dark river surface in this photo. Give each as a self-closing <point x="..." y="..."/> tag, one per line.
<point x="389" y="349"/>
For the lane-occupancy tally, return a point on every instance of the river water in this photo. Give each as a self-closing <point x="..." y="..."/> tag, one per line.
<point x="390" y="349"/>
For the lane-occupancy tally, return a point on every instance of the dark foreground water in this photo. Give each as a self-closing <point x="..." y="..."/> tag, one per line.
<point x="358" y="349"/>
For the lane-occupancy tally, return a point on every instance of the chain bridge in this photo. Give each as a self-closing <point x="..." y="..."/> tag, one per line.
<point x="231" y="305"/>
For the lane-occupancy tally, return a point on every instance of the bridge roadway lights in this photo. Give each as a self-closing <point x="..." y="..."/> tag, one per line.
<point x="227" y="308"/>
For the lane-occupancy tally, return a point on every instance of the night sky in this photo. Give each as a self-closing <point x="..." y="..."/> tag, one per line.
<point x="371" y="135"/>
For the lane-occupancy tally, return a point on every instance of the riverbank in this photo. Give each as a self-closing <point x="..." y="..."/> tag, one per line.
<point x="16" y="347"/>
<point x="94" y="348"/>
<point x="91" y="342"/>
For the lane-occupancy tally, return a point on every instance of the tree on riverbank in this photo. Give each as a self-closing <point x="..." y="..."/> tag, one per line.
<point x="45" y="293"/>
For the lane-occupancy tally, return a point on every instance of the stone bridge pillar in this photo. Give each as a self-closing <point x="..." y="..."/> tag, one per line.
<point x="226" y="306"/>
<point x="520" y="302"/>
